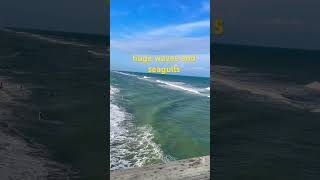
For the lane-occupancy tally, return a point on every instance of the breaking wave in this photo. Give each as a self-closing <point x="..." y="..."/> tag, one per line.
<point x="48" y="39"/>
<point x="127" y="74"/>
<point x="130" y="146"/>
<point x="98" y="54"/>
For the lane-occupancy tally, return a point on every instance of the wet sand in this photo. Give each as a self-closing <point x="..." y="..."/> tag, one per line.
<point x="266" y="125"/>
<point x="264" y="87"/>
<point x="60" y="71"/>
<point x="20" y="158"/>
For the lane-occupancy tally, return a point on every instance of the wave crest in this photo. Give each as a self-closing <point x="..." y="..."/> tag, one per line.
<point x="130" y="146"/>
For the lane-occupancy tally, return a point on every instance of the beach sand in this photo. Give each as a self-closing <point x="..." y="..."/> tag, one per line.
<point x="263" y="87"/>
<point x="20" y="158"/>
<point x="314" y="85"/>
<point x="57" y="72"/>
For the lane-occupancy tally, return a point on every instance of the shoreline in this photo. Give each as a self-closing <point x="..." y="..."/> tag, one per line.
<point x="193" y="168"/>
<point x="20" y="157"/>
<point x="60" y="77"/>
<point x="262" y="88"/>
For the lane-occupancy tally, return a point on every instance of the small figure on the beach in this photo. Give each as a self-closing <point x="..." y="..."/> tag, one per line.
<point x="40" y="116"/>
<point x="19" y="86"/>
<point x="1" y="85"/>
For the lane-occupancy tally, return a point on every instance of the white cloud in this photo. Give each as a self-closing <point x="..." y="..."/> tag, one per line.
<point x="180" y="29"/>
<point x="166" y="40"/>
<point x="196" y="45"/>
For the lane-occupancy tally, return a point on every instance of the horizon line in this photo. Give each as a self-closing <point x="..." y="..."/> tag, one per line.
<point x="62" y="31"/>
<point x="113" y="70"/>
<point x="211" y="42"/>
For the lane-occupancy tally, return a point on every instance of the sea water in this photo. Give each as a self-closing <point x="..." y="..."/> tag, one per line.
<point x="157" y="118"/>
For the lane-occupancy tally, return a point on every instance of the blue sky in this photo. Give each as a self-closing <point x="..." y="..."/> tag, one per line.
<point x="167" y="27"/>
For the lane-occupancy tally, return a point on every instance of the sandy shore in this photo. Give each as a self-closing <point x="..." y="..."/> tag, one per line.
<point x="19" y="157"/>
<point x="314" y="85"/>
<point x="262" y="87"/>
<point x="192" y="169"/>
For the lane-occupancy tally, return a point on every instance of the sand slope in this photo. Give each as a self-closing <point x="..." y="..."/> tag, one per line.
<point x="19" y="159"/>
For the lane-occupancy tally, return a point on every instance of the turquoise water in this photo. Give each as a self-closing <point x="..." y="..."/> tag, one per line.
<point x="158" y="118"/>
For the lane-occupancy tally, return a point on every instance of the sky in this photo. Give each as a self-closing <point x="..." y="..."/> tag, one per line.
<point x="280" y="23"/>
<point x="85" y="16"/>
<point x="276" y="23"/>
<point x="168" y="27"/>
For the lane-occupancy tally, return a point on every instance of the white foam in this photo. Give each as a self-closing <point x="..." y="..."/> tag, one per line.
<point x="130" y="146"/>
<point x="51" y="40"/>
<point x="97" y="53"/>
<point x="314" y="85"/>
<point x="127" y="74"/>
<point x="146" y="78"/>
<point x="208" y="88"/>
<point x="176" y="85"/>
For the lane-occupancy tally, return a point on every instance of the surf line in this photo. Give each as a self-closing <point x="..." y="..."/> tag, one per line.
<point x="179" y="87"/>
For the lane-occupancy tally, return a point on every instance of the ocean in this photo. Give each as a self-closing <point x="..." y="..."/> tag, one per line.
<point x="157" y="118"/>
<point x="66" y="75"/>
<point x="266" y="117"/>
